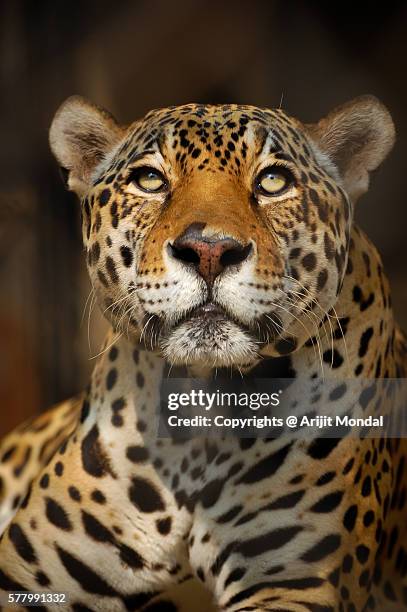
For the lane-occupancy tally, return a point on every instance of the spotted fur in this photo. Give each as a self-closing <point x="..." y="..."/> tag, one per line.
<point x="212" y="273"/>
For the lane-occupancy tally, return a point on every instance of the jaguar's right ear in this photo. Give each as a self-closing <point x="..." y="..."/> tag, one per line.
<point x="81" y="135"/>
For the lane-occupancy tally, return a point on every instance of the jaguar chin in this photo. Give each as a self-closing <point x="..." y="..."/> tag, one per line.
<point x="209" y="336"/>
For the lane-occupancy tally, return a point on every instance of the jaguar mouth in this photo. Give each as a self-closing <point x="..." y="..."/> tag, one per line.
<point x="209" y="311"/>
<point x="207" y="319"/>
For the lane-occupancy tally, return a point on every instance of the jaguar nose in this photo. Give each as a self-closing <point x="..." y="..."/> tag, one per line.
<point x="209" y="255"/>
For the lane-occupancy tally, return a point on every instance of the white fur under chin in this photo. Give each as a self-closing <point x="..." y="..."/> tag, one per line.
<point x="213" y="343"/>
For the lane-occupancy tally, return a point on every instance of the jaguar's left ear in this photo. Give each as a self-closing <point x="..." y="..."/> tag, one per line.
<point x="356" y="137"/>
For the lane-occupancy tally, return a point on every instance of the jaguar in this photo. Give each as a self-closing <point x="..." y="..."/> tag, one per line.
<point x="220" y="241"/>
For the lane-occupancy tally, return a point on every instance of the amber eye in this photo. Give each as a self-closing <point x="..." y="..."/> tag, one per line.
<point x="273" y="181"/>
<point x="148" y="179"/>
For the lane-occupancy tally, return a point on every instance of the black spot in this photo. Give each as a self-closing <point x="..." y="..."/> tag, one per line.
<point x="309" y="261"/>
<point x="337" y="392"/>
<point x="94" y="459"/>
<point x="98" y="497"/>
<point x="295" y="253"/>
<point x="137" y="454"/>
<point x="44" y="482"/>
<point x="42" y="579"/>
<point x="347" y="564"/>
<point x="113" y="353"/>
<point x="320" y="448"/>
<point x="18" y="469"/>
<point x="325" y="478"/>
<point x="362" y="553"/>
<point x="266" y="467"/>
<point x="273" y="540"/>
<point x="140" y="380"/>
<point x="349" y="465"/>
<point x="95" y="529"/>
<point x="164" y="525"/>
<point x="358" y="369"/>
<point x="350" y="517"/>
<point x="85" y="410"/>
<point x="111" y="379"/>
<point x="94" y="253"/>
<point x="26" y="499"/>
<point x="286" y="501"/>
<point x="299" y="583"/>
<point x="59" y="468"/>
<point x="367" y="486"/>
<point x="117" y="420"/>
<point x="329" y="247"/>
<point x="368" y="518"/>
<point x="286" y="346"/>
<point x="57" y="515"/>
<point x="104" y="197"/>
<point x="145" y="496"/>
<point x="141" y="426"/>
<point x="127" y="256"/>
<point x="89" y="580"/>
<point x="245" y="443"/>
<point x="392" y="542"/>
<point x="21" y="543"/>
<point x="111" y="269"/>
<point x="367" y="395"/>
<point x="74" y="493"/>
<point x="333" y="357"/>
<point x="102" y="278"/>
<point x="210" y="493"/>
<point x="328" y="503"/>
<point x="16" y="501"/>
<point x="118" y="404"/>
<point x="328" y="545"/>
<point x="364" y="341"/>
<point x="322" y="278"/>
<point x="130" y="557"/>
<point x="229" y="515"/>
<point x="8" y="454"/>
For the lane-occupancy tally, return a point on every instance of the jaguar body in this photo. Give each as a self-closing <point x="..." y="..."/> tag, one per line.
<point x="219" y="239"/>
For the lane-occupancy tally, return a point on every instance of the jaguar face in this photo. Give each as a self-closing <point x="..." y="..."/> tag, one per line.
<point x="217" y="234"/>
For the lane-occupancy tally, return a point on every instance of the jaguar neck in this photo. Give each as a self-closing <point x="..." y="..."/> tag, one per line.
<point x="125" y="387"/>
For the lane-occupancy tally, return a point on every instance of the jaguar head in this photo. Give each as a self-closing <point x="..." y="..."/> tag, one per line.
<point x="218" y="234"/>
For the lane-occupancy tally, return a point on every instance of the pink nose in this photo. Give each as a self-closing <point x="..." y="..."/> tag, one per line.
<point x="209" y="255"/>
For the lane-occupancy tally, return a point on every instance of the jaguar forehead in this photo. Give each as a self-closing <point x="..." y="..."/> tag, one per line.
<point x="212" y="130"/>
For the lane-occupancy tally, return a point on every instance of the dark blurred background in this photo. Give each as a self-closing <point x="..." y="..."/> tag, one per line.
<point x="131" y="56"/>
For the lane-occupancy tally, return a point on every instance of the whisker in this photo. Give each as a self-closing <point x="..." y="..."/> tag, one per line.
<point x="145" y="327"/>
<point x="107" y="347"/>
<point x="92" y="304"/>
<point x="91" y="293"/>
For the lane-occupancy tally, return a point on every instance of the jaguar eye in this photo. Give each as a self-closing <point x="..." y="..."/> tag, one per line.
<point x="148" y="179"/>
<point x="273" y="180"/>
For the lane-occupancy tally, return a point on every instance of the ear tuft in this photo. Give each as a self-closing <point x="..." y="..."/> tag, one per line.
<point x="357" y="137"/>
<point x="80" y="136"/>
